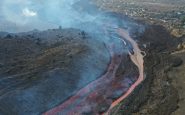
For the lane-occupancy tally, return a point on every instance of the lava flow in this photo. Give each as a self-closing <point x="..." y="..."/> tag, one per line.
<point x="137" y="59"/>
<point x="99" y="97"/>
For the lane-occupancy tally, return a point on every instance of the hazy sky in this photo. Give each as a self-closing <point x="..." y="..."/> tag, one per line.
<point x="24" y="15"/>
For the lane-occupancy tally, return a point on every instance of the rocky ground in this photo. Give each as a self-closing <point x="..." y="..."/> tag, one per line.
<point x="29" y="58"/>
<point x="178" y="76"/>
<point x="165" y="94"/>
<point x="39" y="70"/>
<point x="157" y="95"/>
<point x="168" y="13"/>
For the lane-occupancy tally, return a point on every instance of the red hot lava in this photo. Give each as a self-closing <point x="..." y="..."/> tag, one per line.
<point x="97" y="97"/>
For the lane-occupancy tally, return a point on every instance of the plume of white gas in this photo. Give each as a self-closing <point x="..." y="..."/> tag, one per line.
<point x="46" y="14"/>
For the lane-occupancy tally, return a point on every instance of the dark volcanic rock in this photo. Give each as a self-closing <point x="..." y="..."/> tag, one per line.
<point x="40" y="70"/>
<point x="156" y="95"/>
<point x="158" y="39"/>
<point x="176" y="62"/>
<point x="36" y="77"/>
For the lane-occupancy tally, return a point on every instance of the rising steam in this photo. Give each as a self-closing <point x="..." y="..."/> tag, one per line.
<point x="26" y="15"/>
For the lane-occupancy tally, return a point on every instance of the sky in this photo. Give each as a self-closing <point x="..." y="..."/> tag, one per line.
<point x="25" y="15"/>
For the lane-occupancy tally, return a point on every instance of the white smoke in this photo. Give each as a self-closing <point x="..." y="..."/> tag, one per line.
<point x="42" y="14"/>
<point x="26" y="15"/>
<point x="28" y="12"/>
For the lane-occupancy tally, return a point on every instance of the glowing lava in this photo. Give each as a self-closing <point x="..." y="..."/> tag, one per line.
<point x="137" y="59"/>
<point x="95" y="97"/>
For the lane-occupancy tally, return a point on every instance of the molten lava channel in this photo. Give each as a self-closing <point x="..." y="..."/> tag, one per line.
<point x="95" y="97"/>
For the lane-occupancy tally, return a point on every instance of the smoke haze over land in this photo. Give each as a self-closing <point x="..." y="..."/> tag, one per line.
<point x="24" y="15"/>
